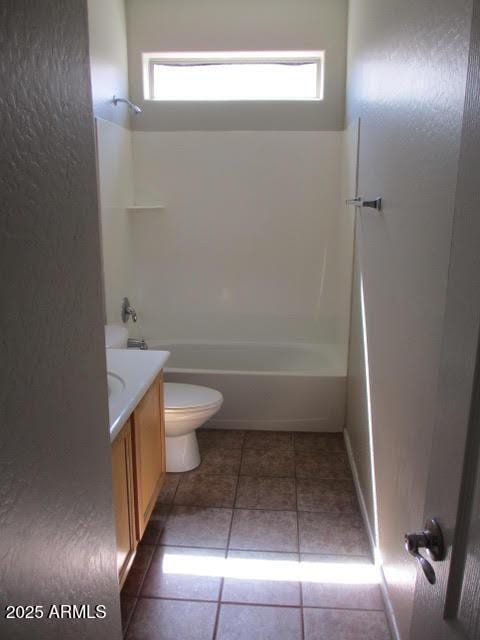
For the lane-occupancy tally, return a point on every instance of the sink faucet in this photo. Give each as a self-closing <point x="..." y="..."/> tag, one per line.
<point x="128" y="310"/>
<point x="133" y="343"/>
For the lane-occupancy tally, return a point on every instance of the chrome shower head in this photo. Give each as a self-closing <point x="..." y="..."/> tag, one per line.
<point x="135" y="108"/>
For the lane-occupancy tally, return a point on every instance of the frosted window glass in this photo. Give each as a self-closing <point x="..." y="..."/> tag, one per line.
<point x="236" y="81"/>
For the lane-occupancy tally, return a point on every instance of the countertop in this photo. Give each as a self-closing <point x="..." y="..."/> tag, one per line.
<point x="137" y="369"/>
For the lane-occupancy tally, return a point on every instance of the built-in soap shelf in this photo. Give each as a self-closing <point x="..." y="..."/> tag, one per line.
<point x="139" y="208"/>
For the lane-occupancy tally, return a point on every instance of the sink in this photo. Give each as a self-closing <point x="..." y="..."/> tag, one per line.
<point x="116" y="384"/>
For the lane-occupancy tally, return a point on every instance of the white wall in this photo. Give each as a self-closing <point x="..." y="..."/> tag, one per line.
<point x="406" y="80"/>
<point x="108" y="58"/>
<point x="242" y="25"/>
<point x="247" y="247"/>
<point x="115" y="173"/>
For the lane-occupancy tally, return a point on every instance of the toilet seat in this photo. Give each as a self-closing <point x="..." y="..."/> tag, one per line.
<point x="179" y="397"/>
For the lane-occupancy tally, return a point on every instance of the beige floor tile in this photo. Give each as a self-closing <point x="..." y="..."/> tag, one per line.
<point x="326" y="495"/>
<point x="333" y="624"/>
<point x="243" y="622"/>
<point x="260" y="530"/>
<point x="180" y="572"/>
<point x="206" y="490"/>
<point x="308" y="441"/>
<point x="229" y="438"/>
<point x="332" y="533"/>
<point x="268" y="440"/>
<point x="340" y="582"/>
<point x="261" y="578"/>
<point x="268" y="462"/>
<point x="266" y="493"/>
<point x="219" y="461"/>
<point x="322" y="464"/>
<point x="197" y="527"/>
<point x="172" y="620"/>
<point x="169" y="487"/>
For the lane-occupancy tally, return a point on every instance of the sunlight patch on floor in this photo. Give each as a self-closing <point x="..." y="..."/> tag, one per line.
<point x="325" y="572"/>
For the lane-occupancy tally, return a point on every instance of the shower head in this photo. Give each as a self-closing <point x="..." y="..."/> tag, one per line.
<point x="135" y="108"/>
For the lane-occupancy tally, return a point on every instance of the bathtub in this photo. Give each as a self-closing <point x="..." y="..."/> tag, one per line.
<point x="298" y="387"/>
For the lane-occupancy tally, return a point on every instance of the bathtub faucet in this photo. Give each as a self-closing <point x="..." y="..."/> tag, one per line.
<point x="134" y="343"/>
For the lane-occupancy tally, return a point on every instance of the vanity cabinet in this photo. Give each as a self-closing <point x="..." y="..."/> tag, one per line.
<point x="138" y="471"/>
<point x="149" y="448"/>
<point x="123" y="500"/>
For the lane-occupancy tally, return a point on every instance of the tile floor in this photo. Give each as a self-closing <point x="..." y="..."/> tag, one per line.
<point x="264" y="540"/>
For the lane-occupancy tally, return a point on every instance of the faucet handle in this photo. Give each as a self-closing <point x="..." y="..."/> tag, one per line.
<point x="128" y="310"/>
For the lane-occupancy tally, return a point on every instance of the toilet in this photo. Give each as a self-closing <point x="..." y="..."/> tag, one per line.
<point x="187" y="407"/>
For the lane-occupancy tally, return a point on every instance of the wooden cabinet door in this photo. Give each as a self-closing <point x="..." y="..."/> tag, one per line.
<point x="123" y="500"/>
<point x="149" y="447"/>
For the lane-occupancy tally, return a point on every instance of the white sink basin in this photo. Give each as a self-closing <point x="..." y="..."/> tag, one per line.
<point x="130" y="374"/>
<point x="116" y="384"/>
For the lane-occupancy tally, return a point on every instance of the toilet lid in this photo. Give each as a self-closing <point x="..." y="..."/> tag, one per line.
<point x="184" y="396"/>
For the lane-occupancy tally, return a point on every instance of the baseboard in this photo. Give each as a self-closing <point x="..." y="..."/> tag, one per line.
<point x="321" y="426"/>
<point x="360" y="496"/>
<point x="371" y="539"/>
<point x="388" y="606"/>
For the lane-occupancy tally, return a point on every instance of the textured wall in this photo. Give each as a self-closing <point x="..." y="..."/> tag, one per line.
<point x="57" y="536"/>
<point x="242" y="25"/>
<point x="108" y="58"/>
<point x="406" y="80"/>
<point x="357" y="420"/>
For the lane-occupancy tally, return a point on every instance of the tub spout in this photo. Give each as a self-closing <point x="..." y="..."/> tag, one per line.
<point x="133" y="343"/>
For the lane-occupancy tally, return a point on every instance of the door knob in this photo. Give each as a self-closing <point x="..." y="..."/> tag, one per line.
<point x="360" y="202"/>
<point x="431" y="539"/>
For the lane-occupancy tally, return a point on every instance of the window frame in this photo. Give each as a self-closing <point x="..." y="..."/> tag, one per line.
<point x="150" y="59"/>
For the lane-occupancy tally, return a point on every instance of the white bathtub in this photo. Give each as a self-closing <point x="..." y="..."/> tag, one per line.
<point x="265" y="386"/>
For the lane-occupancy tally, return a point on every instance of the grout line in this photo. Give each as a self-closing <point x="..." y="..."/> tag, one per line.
<point x="139" y="591"/>
<point x="256" y="604"/>
<point x="306" y="553"/>
<point x="125" y="630"/>
<point x="300" y="586"/>
<point x="311" y="476"/>
<point x="302" y="553"/>
<point x="179" y="599"/>
<point x="275" y="509"/>
<point x="262" y="604"/>
<point x="217" y="613"/>
<point x="309" y="606"/>
<point x="220" y="593"/>
<point x="147" y="569"/>
<point x="326" y="554"/>
<point x="235" y="496"/>
<point x="191" y="546"/>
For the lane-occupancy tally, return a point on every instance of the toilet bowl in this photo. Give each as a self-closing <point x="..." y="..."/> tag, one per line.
<point x="187" y="407"/>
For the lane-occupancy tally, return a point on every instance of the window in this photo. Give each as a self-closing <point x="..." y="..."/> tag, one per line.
<point x="286" y="75"/>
